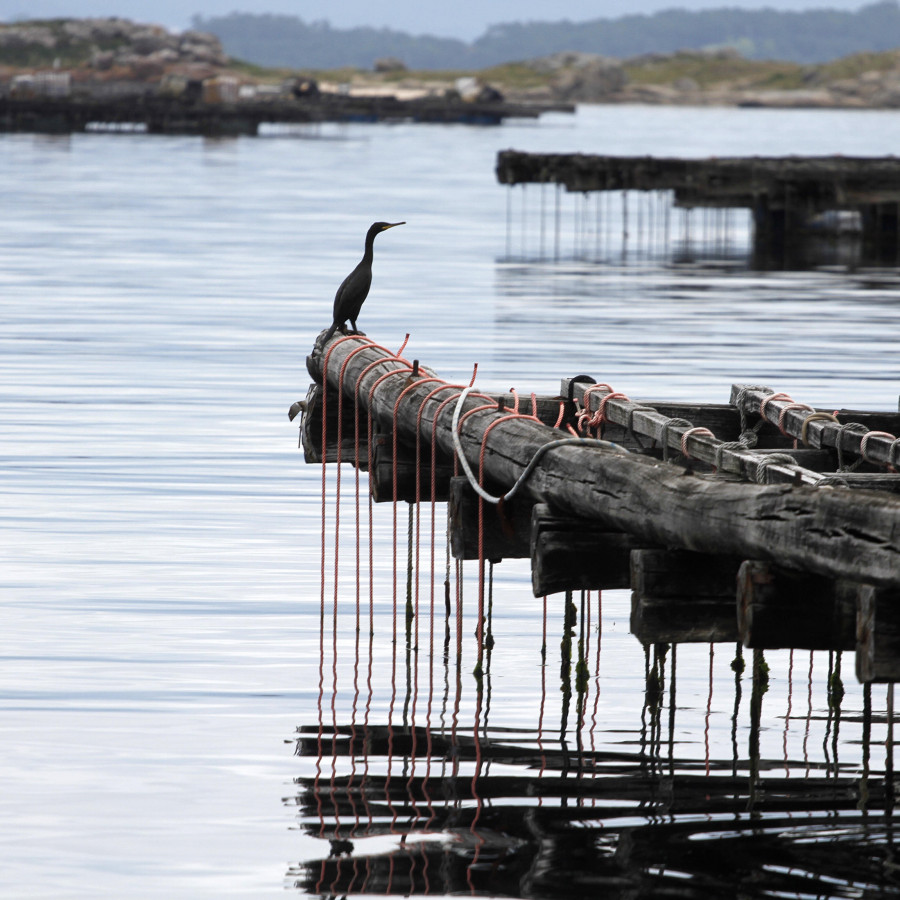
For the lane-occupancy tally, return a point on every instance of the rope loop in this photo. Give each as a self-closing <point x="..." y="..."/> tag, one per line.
<point x="785" y="410"/>
<point x="532" y="464"/>
<point x="847" y="426"/>
<point x="600" y="416"/>
<point x="664" y="433"/>
<point x="741" y="398"/>
<point x="892" y="458"/>
<point x="832" y="480"/>
<point x="729" y="445"/>
<point x="585" y="418"/>
<point x="815" y="417"/>
<point x="772" y="459"/>
<point x="865" y="440"/>
<point x="779" y="395"/>
<point x="699" y="429"/>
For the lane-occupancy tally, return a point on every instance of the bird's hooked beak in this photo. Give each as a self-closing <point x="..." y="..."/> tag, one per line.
<point x="391" y="225"/>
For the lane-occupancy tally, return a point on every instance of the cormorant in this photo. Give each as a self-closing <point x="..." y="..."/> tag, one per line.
<point x="354" y="288"/>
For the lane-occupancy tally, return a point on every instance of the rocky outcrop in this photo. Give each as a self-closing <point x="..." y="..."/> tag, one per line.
<point x="581" y="77"/>
<point x="103" y="44"/>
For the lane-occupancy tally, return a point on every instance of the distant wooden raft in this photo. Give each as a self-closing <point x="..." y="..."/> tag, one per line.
<point x="814" y="183"/>
<point x="834" y="532"/>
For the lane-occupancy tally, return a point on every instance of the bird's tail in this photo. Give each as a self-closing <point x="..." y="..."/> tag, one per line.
<point x="331" y="332"/>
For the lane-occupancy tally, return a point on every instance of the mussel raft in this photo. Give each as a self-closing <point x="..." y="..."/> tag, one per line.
<point x="762" y="520"/>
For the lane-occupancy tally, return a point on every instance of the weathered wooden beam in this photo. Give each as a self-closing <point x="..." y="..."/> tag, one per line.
<point x="869" y="481"/>
<point x="839" y="533"/>
<point x="505" y="529"/>
<point x="876" y="446"/>
<point x="311" y="430"/>
<point x="381" y="478"/>
<point x="679" y="596"/>
<point x="814" y="183"/>
<point x="878" y="635"/>
<point x="722" y="419"/>
<point x="572" y="554"/>
<point x="686" y="437"/>
<point x="778" y="608"/>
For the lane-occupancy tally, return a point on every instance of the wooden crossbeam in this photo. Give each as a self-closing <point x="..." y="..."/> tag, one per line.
<point x="743" y="461"/>
<point x="879" y="448"/>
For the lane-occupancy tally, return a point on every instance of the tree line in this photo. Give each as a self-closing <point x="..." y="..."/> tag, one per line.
<point x="809" y="36"/>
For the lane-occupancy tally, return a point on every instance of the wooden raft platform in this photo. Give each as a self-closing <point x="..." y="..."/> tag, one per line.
<point x="158" y="114"/>
<point x="762" y="519"/>
<point x="784" y="194"/>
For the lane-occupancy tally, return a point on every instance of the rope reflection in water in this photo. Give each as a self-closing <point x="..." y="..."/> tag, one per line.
<point x="628" y="227"/>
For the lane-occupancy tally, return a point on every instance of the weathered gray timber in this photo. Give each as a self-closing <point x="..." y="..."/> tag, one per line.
<point x="844" y="430"/>
<point x="683" y="597"/>
<point x="813" y="182"/>
<point x="693" y="441"/>
<point x="878" y="635"/>
<point x="835" y="532"/>
<point x="161" y="114"/>
<point x="577" y="554"/>
<point x="784" y="194"/>
<point x="505" y="530"/>
<point x="780" y="608"/>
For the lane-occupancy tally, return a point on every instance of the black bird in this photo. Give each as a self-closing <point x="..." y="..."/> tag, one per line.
<point x="354" y="288"/>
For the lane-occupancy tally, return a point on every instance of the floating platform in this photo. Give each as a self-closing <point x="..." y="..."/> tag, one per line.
<point x="789" y="197"/>
<point x="761" y="519"/>
<point x="158" y="114"/>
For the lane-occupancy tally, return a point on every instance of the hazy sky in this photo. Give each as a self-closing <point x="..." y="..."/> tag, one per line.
<point x="465" y="19"/>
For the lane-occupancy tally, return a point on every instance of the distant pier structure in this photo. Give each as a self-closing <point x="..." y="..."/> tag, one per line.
<point x="787" y="211"/>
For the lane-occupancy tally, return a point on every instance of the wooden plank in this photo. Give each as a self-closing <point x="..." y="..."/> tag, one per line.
<point x="682" y="620"/>
<point x="878" y="635"/>
<point x="869" y="481"/>
<point x="676" y="573"/>
<point x="679" y="596"/>
<point x="572" y="554"/>
<point x="681" y="434"/>
<point x="311" y="430"/>
<point x="506" y="530"/>
<point x="821" y="432"/>
<point x="835" y="533"/>
<point x="778" y="608"/>
<point x="381" y="480"/>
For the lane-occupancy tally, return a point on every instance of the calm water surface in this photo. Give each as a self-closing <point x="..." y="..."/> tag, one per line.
<point x="161" y="535"/>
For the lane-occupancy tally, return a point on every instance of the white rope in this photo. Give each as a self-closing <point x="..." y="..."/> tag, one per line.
<point x="526" y="472"/>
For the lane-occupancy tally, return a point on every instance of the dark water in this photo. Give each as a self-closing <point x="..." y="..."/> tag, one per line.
<point x="180" y="719"/>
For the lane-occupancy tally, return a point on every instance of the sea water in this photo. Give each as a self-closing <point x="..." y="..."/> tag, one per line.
<point x="166" y="628"/>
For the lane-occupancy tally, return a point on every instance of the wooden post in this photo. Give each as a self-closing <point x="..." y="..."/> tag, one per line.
<point x="683" y="597"/>
<point x="505" y="529"/>
<point x="311" y="429"/>
<point x="381" y="479"/>
<point x="569" y="554"/>
<point x="779" y="608"/>
<point x="878" y="635"/>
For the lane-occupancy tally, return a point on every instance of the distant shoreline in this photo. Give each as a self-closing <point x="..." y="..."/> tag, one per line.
<point x="103" y="56"/>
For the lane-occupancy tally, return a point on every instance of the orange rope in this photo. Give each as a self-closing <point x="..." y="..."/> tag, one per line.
<point x="780" y="395"/>
<point x="690" y="431"/>
<point x="865" y="440"/>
